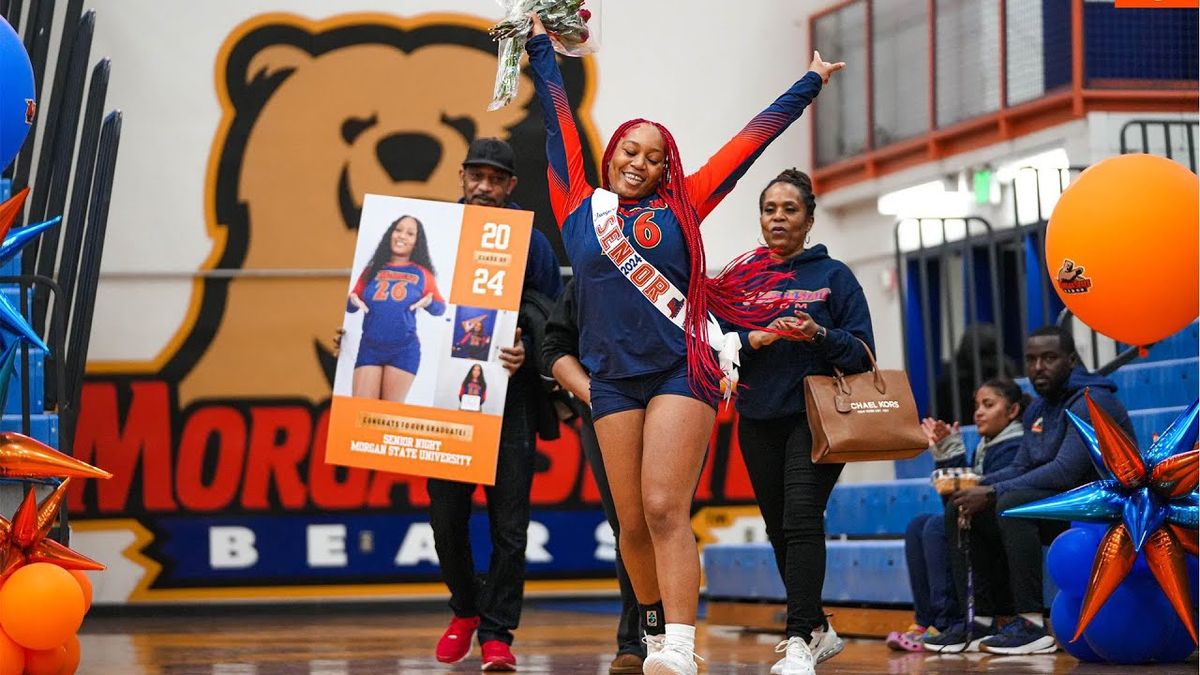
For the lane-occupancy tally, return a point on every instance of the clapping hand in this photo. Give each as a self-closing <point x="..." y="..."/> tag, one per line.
<point x="936" y="430"/>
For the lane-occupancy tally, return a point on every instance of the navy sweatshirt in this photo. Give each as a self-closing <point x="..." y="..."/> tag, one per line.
<point x="773" y="377"/>
<point x="1053" y="456"/>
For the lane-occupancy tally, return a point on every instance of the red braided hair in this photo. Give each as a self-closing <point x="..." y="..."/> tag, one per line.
<point x="731" y="295"/>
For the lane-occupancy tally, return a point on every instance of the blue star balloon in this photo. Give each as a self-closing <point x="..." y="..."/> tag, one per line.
<point x="16" y="239"/>
<point x="1149" y="496"/>
<point x="10" y="317"/>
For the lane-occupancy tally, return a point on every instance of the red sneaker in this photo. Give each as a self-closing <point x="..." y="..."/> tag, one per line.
<point x="456" y="641"/>
<point x="497" y="656"/>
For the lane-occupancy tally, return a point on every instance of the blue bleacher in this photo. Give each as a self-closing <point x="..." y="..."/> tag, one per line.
<point x="43" y="425"/>
<point x="866" y="521"/>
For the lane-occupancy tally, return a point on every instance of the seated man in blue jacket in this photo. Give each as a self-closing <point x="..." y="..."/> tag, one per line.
<point x="1007" y="552"/>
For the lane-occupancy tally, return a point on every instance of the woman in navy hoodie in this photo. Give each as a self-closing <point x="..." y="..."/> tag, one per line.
<point x="824" y="326"/>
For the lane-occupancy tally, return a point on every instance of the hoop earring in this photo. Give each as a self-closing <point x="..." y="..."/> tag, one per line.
<point x="807" y="239"/>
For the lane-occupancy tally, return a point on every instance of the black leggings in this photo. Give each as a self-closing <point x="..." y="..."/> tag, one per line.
<point x="792" y="493"/>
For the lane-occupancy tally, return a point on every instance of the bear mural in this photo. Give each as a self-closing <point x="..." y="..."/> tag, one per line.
<point x="315" y="115"/>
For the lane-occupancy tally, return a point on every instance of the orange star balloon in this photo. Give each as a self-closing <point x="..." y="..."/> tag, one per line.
<point x="25" y="457"/>
<point x="24" y="539"/>
<point x="1149" y="496"/>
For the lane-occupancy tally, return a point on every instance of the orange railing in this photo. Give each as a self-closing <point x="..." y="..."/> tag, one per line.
<point x="932" y="79"/>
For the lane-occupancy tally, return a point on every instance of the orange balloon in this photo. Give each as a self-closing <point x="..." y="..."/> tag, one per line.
<point x="12" y="656"/>
<point x="85" y="584"/>
<point x="1121" y="248"/>
<point x="45" y="661"/>
<point x="71" y="664"/>
<point x="41" y="605"/>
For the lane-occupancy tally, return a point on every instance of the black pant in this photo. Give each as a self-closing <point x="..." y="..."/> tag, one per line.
<point x="792" y="493"/>
<point x="1006" y="554"/>
<point x="496" y="597"/>
<point x="629" y="631"/>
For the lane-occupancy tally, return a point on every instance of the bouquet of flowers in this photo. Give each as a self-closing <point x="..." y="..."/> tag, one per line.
<point x="568" y="23"/>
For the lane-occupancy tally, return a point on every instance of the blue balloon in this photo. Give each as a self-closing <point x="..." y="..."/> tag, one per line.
<point x="1064" y="616"/>
<point x="1069" y="560"/>
<point x="17" y="105"/>
<point x="1177" y="644"/>
<point x="1130" y="627"/>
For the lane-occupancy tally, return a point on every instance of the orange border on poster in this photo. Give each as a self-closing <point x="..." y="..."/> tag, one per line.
<point x="492" y="248"/>
<point x="414" y="440"/>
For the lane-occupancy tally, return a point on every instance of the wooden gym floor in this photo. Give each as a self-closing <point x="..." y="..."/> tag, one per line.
<point x="558" y="638"/>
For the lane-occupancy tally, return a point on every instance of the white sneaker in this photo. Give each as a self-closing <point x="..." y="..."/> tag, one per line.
<point x="797" y="658"/>
<point x="671" y="659"/>
<point x="825" y="645"/>
<point x="654" y="643"/>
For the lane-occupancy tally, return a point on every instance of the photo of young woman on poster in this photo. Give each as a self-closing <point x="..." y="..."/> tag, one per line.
<point x="398" y="281"/>
<point x="473" y="392"/>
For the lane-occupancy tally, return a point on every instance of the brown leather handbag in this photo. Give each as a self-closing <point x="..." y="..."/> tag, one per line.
<point x="863" y="417"/>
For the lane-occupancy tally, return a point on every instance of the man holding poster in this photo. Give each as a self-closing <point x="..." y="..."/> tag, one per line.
<point x="451" y="426"/>
<point x="494" y="605"/>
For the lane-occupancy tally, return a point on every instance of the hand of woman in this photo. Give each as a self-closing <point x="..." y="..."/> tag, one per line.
<point x="358" y="302"/>
<point x="537" y="28"/>
<point x="807" y="328"/>
<point x="422" y="303"/>
<point x="776" y="331"/>
<point x="823" y="67"/>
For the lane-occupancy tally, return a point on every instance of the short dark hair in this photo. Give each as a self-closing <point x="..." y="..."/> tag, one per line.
<point x="1066" y="341"/>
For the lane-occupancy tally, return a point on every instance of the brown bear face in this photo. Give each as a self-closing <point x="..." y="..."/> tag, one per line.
<point x="355" y="121"/>
<point x="317" y="114"/>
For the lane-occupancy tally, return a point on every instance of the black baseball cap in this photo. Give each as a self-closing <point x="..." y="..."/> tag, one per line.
<point x="491" y="152"/>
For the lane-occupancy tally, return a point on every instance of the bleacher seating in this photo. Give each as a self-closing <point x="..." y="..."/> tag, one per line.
<point x="43" y="423"/>
<point x="866" y="521"/>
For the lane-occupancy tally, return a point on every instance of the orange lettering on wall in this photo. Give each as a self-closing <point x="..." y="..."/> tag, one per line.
<point x="227" y="428"/>
<point x="142" y="442"/>
<point x="278" y="443"/>
<point x="325" y="489"/>
<point x="557" y="482"/>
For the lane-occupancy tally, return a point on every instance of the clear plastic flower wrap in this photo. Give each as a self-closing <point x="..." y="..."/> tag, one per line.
<point x="572" y="27"/>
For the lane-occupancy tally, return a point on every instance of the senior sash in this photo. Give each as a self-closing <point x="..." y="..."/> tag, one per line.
<point x="654" y="285"/>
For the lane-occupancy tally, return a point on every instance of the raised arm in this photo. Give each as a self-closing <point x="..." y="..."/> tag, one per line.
<point x="568" y="184"/>
<point x="708" y="186"/>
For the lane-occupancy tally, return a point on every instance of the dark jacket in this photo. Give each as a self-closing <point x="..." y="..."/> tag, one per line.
<point x="774" y="375"/>
<point x="562" y="331"/>
<point x="1053" y="456"/>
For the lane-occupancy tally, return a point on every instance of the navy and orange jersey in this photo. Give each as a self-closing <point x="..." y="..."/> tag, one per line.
<point x="473" y="389"/>
<point x="389" y="297"/>
<point x="621" y="334"/>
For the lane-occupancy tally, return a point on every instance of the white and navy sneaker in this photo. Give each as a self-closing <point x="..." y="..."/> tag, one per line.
<point x="955" y="639"/>
<point x="1020" y="636"/>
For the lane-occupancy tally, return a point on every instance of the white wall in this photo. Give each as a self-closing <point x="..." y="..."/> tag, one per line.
<point x="704" y="70"/>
